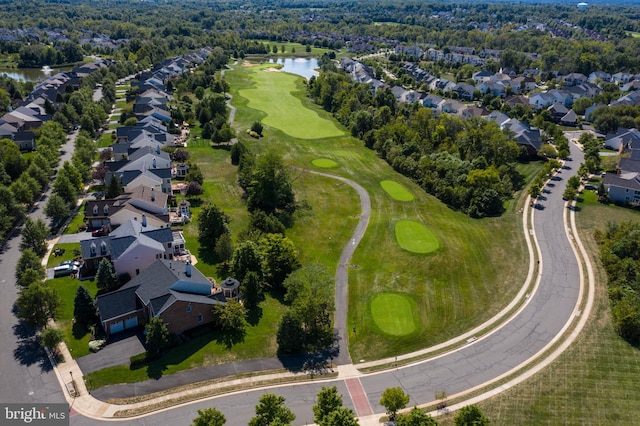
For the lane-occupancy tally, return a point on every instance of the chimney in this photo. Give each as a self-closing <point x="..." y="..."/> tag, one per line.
<point x="153" y="194"/>
<point x="154" y="163"/>
<point x="144" y="221"/>
<point x="158" y="149"/>
<point x="187" y="269"/>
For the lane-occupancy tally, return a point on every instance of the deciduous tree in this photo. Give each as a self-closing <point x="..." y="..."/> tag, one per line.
<point x="328" y="401"/>
<point x="57" y="209"/>
<point x="51" y="338"/>
<point x="34" y="236"/>
<point x="470" y="416"/>
<point x="272" y="411"/>
<point x="212" y="224"/>
<point x="37" y="303"/>
<point x="29" y="269"/>
<point x="209" y="417"/>
<point x="394" y="399"/>
<point x="157" y="336"/>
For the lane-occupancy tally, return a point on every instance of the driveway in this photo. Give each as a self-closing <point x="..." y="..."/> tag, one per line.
<point x="75" y="238"/>
<point x="117" y="352"/>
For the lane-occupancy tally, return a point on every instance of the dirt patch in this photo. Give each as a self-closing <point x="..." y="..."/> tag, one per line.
<point x="248" y="64"/>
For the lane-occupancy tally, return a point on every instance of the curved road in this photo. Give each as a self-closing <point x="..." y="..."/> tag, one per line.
<point x="521" y="338"/>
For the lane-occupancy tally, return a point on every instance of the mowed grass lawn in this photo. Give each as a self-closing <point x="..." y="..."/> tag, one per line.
<point x="478" y="270"/>
<point x="595" y="381"/>
<point x="272" y="94"/>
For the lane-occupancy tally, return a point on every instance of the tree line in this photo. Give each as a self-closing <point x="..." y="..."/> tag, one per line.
<point x="467" y="164"/>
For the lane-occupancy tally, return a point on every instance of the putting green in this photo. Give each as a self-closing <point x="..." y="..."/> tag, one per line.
<point x="325" y="163"/>
<point x="396" y="191"/>
<point x="393" y="313"/>
<point x="415" y="237"/>
<point x="273" y="95"/>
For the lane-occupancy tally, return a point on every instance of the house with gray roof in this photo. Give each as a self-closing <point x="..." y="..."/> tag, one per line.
<point x="131" y="248"/>
<point x="623" y="186"/>
<point x="176" y="292"/>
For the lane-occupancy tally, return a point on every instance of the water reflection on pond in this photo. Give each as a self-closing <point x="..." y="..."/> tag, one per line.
<point x="305" y="67"/>
<point x="31" y="74"/>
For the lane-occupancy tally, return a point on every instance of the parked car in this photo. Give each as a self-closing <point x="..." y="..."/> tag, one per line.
<point x="64" y="270"/>
<point x="590" y="186"/>
<point x="100" y="232"/>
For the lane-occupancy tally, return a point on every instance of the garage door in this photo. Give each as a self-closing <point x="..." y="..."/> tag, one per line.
<point x="131" y="322"/>
<point x="116" y="327"/>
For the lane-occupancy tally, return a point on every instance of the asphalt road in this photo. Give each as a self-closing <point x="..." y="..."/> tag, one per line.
<point x="27" y="375"/>
<point x="525" y="335"/>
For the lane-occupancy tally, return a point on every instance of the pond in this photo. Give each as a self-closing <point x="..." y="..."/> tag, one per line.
<point x="305" y="67"/>
<point x="31" y="74"/>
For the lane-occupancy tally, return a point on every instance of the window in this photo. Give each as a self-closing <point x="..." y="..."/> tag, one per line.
<point x="95" y="209"/>
<point x="169" y="244"/>
<point x="188" y="308"/>
<point x="200" y="318"/>
<point x="105" y="210"/>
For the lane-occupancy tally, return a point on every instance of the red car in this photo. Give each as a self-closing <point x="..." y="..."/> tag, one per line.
<point x="100" y="232"/>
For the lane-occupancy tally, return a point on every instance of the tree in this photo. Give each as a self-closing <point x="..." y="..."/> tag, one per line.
<point x="157" y="336"/>
<point x="272" y="411"/>
<point x="271" y="189"/>
<point x="247" y="258"/>
<point x="57" y="208"/>
<point x="237" y="151"/>
<point x="212" y="224"/>
<point x="180" y="155"/>
<point x="230" y="318"/>
<point x="194" y="189"/>
<point x="415" y="417"/>
<point x="290" y="335"/>
<point x="342" y="416"/>
<point x="209" y="417"/>
<point x="106" y="276"/>
<point x="224" y="248"/>
<point x="569" y="193"/>
<point x="37" y="303"/>
<point x="114" y="188"/>
<point x="51" y="338"/>
<point x="194" y="174"/>
<point x="394" y="399"/>
<point x="257" y="127"/>
<point x="328" y="401"/>
<point x="308" y="279"/>
<point x="251" y="290"/>
<point x="84" y="308"/>
<point x="280" y="258"/>
<point x="29" y="269"/>
<point x="34" y="236"/>
<point x="470" y="416"/>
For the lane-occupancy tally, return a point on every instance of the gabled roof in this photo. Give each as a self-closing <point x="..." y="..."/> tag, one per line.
<point x="117" y="303"/>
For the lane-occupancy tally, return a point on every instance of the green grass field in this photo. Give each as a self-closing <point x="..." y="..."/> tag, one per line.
<point x="75" y="337"/>
<point x="396" y="191"/>
<point x="415" y="237"/>
<point x="287" y="113"/>
<point x="481" y="267"/>
<point x="324" y="163"/>
<point x="393" y="313"/>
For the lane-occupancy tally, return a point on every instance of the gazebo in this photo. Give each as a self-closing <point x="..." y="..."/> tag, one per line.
<point x="230" y="286"/>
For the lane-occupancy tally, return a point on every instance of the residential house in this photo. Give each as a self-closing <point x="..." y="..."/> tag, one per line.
<point x="557" y="111"/>
<point x="517" y="100"/>
<point x="621" y="77"/>
<point x="142" y="201"/>
<point x="574" y="78"/>
<point x="131" y="248"/>
<point x="496" y="88"/>
<point x="481" y="76"/>
<point x="431" y="101"/>
<point x="623" y="139"/>
<point x="597" y="76"/>
<point x="589" y="111"/>
<point x="524" y="135"/>
<point x="624" y="186"/>
<point x="450" y="106"/>
<point x="522" y="84"/>
<point x="176" y="292"/>
<point x="630" y="86"/>
<point x="465" y="91"/>
<point x="569" y="119"/>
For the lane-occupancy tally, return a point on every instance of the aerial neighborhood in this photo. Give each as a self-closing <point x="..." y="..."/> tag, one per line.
<point x="339" y="213"/>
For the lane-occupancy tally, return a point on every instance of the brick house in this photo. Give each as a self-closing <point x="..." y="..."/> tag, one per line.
<point x="174" y="291"/>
